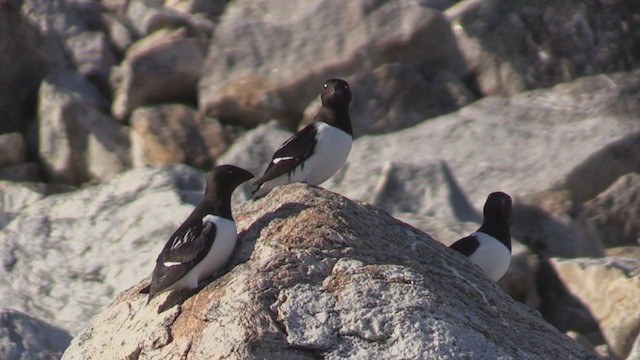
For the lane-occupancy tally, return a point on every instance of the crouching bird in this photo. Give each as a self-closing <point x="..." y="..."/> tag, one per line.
<point x="490" y="246"/>
<point x="319" y="150"/>
<point x="205" y="241"/>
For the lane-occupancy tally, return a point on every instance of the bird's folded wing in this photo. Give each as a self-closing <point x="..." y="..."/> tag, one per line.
<point x="182" y="252"/>
<point x="466" y="245"/>
<point x="292" y="153"/>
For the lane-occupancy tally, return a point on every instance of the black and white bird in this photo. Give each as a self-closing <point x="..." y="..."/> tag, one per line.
<point x="490" y="246"/>
<point x="205" y="241"/>
<point x="316" y="152"/>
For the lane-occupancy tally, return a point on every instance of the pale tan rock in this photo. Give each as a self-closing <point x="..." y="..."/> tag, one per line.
<point x="610" y="289"/>
<point x="316" y="273"/>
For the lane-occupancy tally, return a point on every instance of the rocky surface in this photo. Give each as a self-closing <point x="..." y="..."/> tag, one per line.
<point x="25" y="337"/>
<point x="609" y="289"/>
<point x="74" y="252"/>
<point x="319" y="275"/>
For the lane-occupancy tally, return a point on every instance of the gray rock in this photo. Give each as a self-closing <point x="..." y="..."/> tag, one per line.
<point x="217" y="138"/>
<point x="634" y="354"/>
<point x="610" y="289"/>
<point x="212" y="9"/>
<point x="395" y="96"/>
<point x="23" y="337"/>
<point x="615" y="212"/>
<point x="119" y="33"/>
<point x="267" y="59"/>
<point x="12" y="149"/>
<point x="92" y="56"/>
<point x="316" y="273"/>
<point x="23" y="172"/>
<point x="161" y="67"/>
<point x="14" y="198"/>
<point x="513" y="46"/>
<point x="167" y="134"/>
<point x="148" y="16"/>
<point x="78" y="142"/>
<point x="66" y="256"/>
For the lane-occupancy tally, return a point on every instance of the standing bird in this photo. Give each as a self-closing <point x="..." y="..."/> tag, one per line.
<point x="490" y="246"/>
<point x="316" y="152"/>
<point x="205" y="241"/>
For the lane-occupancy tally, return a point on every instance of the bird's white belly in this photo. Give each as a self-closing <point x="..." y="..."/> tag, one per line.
<point x="331" y="152"/>
<point x="218" y="255"/>
<point x="492" y="256"/>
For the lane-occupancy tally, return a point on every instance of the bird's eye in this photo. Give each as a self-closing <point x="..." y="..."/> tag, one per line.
<point x="325" y="86"/>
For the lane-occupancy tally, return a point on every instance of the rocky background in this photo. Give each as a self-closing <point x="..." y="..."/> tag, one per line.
<point x="111" y="111"/>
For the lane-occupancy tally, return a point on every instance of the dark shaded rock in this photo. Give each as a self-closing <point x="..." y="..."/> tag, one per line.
<point x="92" y="56"/>
<point x="23" y="172"/>
<point x="12" y="149"/>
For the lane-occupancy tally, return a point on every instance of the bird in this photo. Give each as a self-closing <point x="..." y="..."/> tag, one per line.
<point x="205" y="241"/>
<point x="319" y="150"/>
<point x="490" y="246"/>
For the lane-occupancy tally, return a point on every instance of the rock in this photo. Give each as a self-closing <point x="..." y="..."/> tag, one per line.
<point x="273" y="66"/>
<point x="25" y="337"/>
<point x="13" y="199"/>
<point x="511" y="47"/>
<point x="23" y="172"/>
<point x="148" y="16"/>
<point x="215" y="136"/>
<point x="167" y="134"/>
<point x="635" y="350"/>
<point x="119" y="33"/>
<point x="395" y="96"/>
<point x="549" y="222"/>
<point x="161" y="67"/>
<point x="78" y="142"/>
<point x="609" y="288"/>
<point x="64" y="257"/>
<point x="92" y="56"/>
<point x="615" y="212"/>
<point x="316" y="273"/>
<point x="12" y="149"/>
<point x="624" y="251"/>
<point x="521" y="145"/>
<point x="211" y="9"/>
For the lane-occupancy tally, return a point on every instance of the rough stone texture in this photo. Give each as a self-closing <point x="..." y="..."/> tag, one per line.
<point x="65" y="256"/>
<point x="616" y="213"/>
<point x="119" y="33"/>
<point x="163" y="66"/>
<point x="23" y="172"/>
<point x="609" y="288"/>
<point x="24" y="337"/>
<point x="92" y="56"/>
<point x="78" y="142"/>
<point x="215" y="136"/>
<point x="13" y="199"/>
<point x="318" y="275"/>
<point x="148" y="16"/>
<point x="272" y="65"/>
<point x="167" y="134"/>
<point x="12" y="149"/>
<point x="395" y="96"/>
<point x="634" y="354"/>
<point x="209" y="8"/>
<point x="513" y="46"/>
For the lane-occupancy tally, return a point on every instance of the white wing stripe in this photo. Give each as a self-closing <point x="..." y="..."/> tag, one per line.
<point x="277" y="160"/>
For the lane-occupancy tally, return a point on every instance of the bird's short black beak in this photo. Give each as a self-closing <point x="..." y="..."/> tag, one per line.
<point x="244" y="176"/>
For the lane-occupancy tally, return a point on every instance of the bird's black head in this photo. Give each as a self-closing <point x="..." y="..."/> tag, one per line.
<point x="498" y="206"/>
<point x="225" y="179"/>
<point x="335" y="93"/>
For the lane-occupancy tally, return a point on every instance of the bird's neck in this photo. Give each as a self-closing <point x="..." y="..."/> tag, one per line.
<point x="218" y="206"/>
<point x="499" y="230"/>
<point x="338" y="117"/>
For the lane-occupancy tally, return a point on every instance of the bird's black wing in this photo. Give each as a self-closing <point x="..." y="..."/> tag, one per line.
<point x="466" y="245"/>
<point x="185" y="248"/>
<point x="292" y="153"/>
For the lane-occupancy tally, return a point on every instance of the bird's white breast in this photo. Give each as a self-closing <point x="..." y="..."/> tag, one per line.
<point x="331" y="152"/>
<point x="491" y="255"/>
<point x="218" y="255"/>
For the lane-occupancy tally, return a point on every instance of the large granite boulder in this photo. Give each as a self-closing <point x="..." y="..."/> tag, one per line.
<point x="319" y="275"/>
<point x="268" y="59"/>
